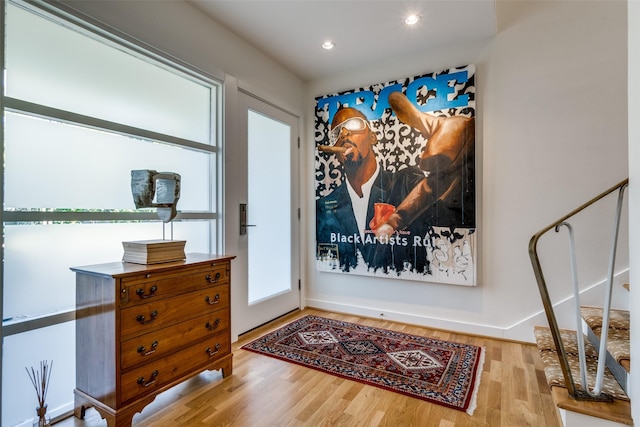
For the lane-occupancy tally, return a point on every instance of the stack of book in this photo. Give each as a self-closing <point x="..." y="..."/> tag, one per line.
<point x="153" y="251"/>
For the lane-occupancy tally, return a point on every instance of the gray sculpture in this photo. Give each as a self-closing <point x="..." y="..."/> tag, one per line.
<point x="153" y="189"/>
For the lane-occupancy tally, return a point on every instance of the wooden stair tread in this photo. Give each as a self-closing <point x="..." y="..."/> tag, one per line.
<point x="626" y="364"/>
<point x="618" y="411"/>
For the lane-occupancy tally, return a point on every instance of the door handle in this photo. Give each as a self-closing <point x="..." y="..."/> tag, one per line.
<point x="243" y="219"/>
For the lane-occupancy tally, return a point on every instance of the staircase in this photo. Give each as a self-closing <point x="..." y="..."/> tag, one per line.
<point x="572" y="358"/>
<point x="573" y="412"/>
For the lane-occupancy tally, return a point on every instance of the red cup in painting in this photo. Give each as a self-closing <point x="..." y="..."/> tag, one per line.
<point x="381" y="213"/>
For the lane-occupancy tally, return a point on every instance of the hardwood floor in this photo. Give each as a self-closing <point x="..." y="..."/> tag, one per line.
<point x="268" y="392"/>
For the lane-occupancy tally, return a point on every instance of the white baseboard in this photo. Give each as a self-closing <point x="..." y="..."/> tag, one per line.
<point x="409" y="318"/>
<point x="521" y="330"/>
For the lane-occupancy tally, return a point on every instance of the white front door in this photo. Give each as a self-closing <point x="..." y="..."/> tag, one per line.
<point x="270" y="214"/>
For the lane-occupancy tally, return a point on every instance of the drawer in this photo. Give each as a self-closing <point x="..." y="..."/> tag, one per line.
<point x="149" y="377"/>
<point x="156" y="314"/>
<point x="141" y="288"/>
<point x="158" y="344"/>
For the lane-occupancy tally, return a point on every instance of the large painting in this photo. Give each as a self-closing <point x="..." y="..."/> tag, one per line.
<point x="395" y="179"/>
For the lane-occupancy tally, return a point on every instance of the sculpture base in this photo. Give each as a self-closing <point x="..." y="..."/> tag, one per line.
<point x="153" y="251"/>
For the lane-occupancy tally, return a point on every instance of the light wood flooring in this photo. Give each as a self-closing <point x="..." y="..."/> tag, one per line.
<point x="264" y="391"/>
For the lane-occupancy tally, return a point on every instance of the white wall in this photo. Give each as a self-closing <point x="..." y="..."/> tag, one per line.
<point x="551" y="134"/>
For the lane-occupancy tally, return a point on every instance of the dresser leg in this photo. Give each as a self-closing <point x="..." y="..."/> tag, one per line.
<point x="82" y="402"/>
<point x="121" y="421"/>
<point x="226" y="365"/>
<point x="121" y="418"/>
<point x="81" y="414"/>
<point x="227" y="370"/>
<point x="80" y="406"/>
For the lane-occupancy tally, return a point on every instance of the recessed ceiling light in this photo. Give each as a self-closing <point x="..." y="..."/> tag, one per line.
<point x="412" y="19"/>
<point x="328" y="45"/>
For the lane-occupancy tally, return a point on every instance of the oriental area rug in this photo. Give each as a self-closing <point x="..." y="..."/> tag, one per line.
<point x="442" y="372"/>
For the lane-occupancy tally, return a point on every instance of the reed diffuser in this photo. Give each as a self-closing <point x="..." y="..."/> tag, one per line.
<point x="40" y="380"/>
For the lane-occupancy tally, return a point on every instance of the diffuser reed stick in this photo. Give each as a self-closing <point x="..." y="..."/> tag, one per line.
<point x="40" y="380"/>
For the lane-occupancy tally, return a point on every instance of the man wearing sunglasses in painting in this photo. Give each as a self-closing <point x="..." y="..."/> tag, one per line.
<point x="347" y="216"/>
<point x="438" y="192"/>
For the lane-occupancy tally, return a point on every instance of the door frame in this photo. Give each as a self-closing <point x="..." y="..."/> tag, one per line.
<point x="235" y="186"/>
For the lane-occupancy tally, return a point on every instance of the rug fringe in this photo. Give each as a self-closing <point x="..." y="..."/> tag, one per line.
<point x="474" y="396"/>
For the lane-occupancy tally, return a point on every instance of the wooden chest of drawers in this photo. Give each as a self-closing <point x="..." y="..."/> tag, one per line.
<point x="141" y="329"/>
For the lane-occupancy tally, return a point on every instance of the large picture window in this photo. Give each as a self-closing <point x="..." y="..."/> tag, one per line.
<point x="81" y="110"/>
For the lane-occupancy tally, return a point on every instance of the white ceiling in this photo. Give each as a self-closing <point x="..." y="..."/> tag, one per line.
<point x="365" y="31"/>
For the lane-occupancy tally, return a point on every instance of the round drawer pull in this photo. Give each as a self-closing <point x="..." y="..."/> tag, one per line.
<point x="141" y="319"/>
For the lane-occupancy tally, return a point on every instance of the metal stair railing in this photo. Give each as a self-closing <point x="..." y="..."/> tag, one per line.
<point x="585" y="393"/>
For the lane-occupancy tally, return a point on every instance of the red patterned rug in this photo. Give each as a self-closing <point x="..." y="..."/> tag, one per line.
<point x="442" y="372"/>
